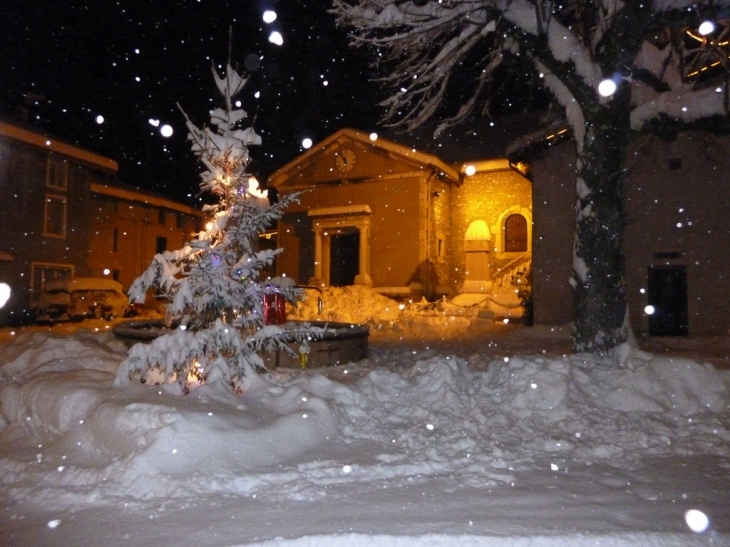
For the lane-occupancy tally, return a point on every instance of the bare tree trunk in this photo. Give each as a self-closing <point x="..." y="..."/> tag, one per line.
<point x="599" y="302"/>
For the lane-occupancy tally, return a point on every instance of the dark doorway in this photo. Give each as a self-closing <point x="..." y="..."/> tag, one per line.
<point x="344" y="258"/>
<point x="668" y="295"/>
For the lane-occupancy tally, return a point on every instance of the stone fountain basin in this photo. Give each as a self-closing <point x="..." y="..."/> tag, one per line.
<point x="341" y="343"/>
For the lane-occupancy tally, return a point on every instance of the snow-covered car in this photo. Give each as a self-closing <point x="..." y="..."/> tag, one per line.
<point x="79" y="298"/>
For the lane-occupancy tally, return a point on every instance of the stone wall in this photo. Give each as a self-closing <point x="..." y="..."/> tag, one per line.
<point x="677" y="197"/>
<point x="490" y="196"/>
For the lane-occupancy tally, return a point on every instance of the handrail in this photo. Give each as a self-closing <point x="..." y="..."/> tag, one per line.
<point x="501" y="271"/>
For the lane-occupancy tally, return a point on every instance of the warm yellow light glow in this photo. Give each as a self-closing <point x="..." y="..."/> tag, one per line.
<point x="253" y="189"/>
<point x="522" y="167"/>
<point x="195" y="374"/>
<point x="694" y="36"/>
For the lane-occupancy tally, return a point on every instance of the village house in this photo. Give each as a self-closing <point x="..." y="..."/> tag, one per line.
<point x="677" y="243"/>
<point x="64" y="215"/>
<point x="376" y="213"/>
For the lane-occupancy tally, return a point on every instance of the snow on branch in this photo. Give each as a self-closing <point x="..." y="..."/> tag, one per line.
<point x="426" y="88"/>
<point x="469" y="105"/>
<point x="573" y="110"/>
<point x="421" y="45"/>
<point x="685" y="105"/>
<point x="564" y="45"/>
<point x="407" y="17"/>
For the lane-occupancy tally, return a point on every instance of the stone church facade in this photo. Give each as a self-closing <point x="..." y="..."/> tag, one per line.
<point x="377" y="213"/>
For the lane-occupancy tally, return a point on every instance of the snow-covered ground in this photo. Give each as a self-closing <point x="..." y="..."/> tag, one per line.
<point x="455" y="431"/>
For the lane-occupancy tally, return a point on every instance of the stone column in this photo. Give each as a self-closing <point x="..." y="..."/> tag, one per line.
<point x="316" y="280"/>
<point x="363" y="276"/>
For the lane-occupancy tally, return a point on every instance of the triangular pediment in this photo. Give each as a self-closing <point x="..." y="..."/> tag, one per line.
<point x="352" y="156"/>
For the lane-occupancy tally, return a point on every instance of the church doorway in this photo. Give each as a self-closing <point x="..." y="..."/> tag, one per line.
<point x="344" y="258"/>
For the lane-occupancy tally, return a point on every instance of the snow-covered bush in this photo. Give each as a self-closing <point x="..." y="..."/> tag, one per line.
<point x="212" y="286"/>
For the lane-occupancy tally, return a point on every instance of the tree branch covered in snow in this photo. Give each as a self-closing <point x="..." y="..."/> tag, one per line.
<point x="215" y="299"/>
<point x="419" y="46"/>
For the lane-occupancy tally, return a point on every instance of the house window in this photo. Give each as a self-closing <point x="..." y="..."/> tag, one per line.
<point x="161" y="245"/>
<point x="28" y="169"/>
<point x="116" y="274"/>
<point x="161" y="216"/>
<point x="515" y="234"/>
<point x="180" y="221"/>
<point x="55" y="216"/>
<point x="115" y="241"/>
<point x="56" y="173"/>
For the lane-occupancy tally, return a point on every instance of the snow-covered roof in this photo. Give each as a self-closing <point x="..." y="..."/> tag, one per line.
<point x="486" y="166"/>
<point x="84" y="284"/>
<point x="412" y="154"/>
<point x="54" y="145"/>
<point x="130" y="194"/>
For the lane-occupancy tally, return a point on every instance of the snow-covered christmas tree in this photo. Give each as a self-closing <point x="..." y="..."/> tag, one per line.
<point x="221" y="311"/>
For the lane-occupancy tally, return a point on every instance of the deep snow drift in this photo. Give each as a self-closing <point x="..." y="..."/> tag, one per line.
<point x="409" y="447"/>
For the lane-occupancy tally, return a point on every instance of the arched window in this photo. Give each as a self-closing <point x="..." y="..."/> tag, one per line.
<point x="515" y="234"/>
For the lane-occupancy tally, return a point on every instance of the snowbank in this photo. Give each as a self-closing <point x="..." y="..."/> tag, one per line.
<point x="438" y="540"/>
<point x="438" y="416"/>
<point x="389" y="319"/>
<point x="352" y="304"/>
<point x="435" y="426"/>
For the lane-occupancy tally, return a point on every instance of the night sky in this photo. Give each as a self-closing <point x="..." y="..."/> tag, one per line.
<point x="63" y="63"/>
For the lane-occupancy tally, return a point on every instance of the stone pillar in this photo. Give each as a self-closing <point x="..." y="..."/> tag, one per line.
<point x="316" y="280"/>
<point x="363" y="276"/>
